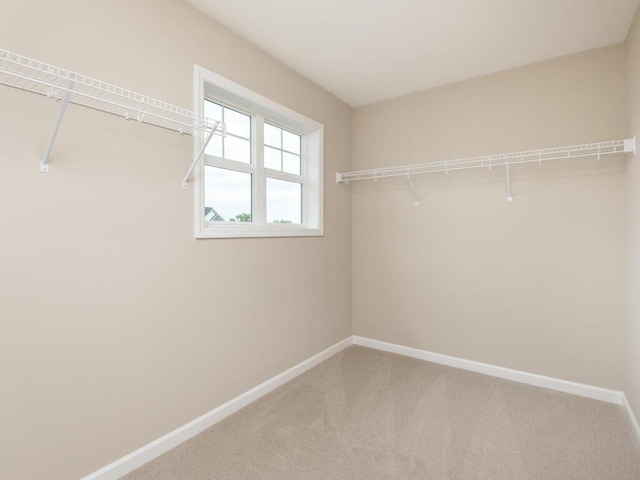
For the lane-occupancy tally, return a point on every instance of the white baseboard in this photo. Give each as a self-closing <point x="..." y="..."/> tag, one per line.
<point x="632" y="418"/>
<point x="145" y="454"/>
<point x="565" y="386"/>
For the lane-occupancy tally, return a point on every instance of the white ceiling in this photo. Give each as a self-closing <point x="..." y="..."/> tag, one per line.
<point x="364" y="51"/>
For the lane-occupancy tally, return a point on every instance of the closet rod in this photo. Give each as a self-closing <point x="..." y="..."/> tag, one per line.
<point x="597" y="150"/>
<point x="24" y="73"/>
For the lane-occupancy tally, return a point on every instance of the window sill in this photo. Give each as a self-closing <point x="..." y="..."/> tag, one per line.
<point x="240" y="231"/>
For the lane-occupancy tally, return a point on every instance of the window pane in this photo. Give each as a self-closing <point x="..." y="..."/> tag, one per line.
<point x="272" y="136"/>
<point x="212" y="110"/>
<point x="237" y="149"/>
<point x="291" y="142"/>
<point x="227" y="195"/>
<point x="291" y="163"/>
<point x="237" y="123"/>
<point x="272" y="158"/>
<point x="284" y="201"/>
<point x="215" y="146"/>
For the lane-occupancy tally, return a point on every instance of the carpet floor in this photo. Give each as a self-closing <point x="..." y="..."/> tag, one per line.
<point x="369" y="415"/>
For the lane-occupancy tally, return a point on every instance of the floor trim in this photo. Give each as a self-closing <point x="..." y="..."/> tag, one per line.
<point x="632" y="418"/>
<point x="588" y="391"/>
<point x="145" y="454"/>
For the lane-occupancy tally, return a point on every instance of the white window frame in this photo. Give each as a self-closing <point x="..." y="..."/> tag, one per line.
<point x="211" y="86"/>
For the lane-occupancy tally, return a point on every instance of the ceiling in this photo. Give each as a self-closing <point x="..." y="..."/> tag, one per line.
<point x="364" y="51"/>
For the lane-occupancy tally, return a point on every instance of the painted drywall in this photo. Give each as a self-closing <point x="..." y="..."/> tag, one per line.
<point x="116" y="325"/>
<point x="632" y="337"/>
<point x="535" y="285"/>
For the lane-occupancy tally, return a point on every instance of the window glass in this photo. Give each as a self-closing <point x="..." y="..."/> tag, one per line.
<point x="237" y="144"/>
<point x="237" y="149"/>
<point x="284" y="201"/>
<point x="214" y="147"/>
<point x="272" y="136"/>
<point x="291" y="142"/>
<point x="282" y="150"/>
<point x="213" y="110"/>
<point x="291" y="163"/>
<point x="237" y="123"/>
<point x="227" y="195"/>
<point x="272" y="158"/>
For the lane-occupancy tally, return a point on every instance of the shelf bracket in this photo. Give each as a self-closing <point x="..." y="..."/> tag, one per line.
<point x="199" y="156"/>
<point x="630" y="145"/>
<point x="416" y="202"/>
<point x="44" y="161"/>
<point x="509" y="196"/>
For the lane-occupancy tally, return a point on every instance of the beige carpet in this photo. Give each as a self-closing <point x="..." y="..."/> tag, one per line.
<point x="368" y="415"/>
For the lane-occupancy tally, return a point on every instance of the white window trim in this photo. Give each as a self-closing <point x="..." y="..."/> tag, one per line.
<point x="211" y="85"/>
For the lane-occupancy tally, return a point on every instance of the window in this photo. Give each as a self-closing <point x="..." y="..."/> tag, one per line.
<point x="264" y="178"/>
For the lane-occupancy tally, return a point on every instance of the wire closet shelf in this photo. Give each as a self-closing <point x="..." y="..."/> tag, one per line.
<point x="597" y="150"/>
<point x="24" y="73"/>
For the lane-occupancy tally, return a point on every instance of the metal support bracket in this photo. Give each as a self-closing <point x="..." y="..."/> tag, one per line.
<point x="509" y="197"/>
<point x="44" y="161"/>
<point x="199" y="156"/>
<point x="416" y="202"/>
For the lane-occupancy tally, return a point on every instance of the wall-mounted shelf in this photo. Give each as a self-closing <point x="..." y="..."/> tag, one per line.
<point x="67" y="87"/>
<point x="597" y="150"/>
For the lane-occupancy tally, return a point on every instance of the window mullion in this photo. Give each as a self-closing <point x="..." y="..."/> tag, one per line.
<point x="288" y="177"/>
<point x="228" y="164"/>
<point x="260" y="183"/>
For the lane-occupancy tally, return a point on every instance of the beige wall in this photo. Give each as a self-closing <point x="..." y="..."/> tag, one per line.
<point x="632" y="358"/>
<point x="116" y="325"/>
<point x="535" y="285"/>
